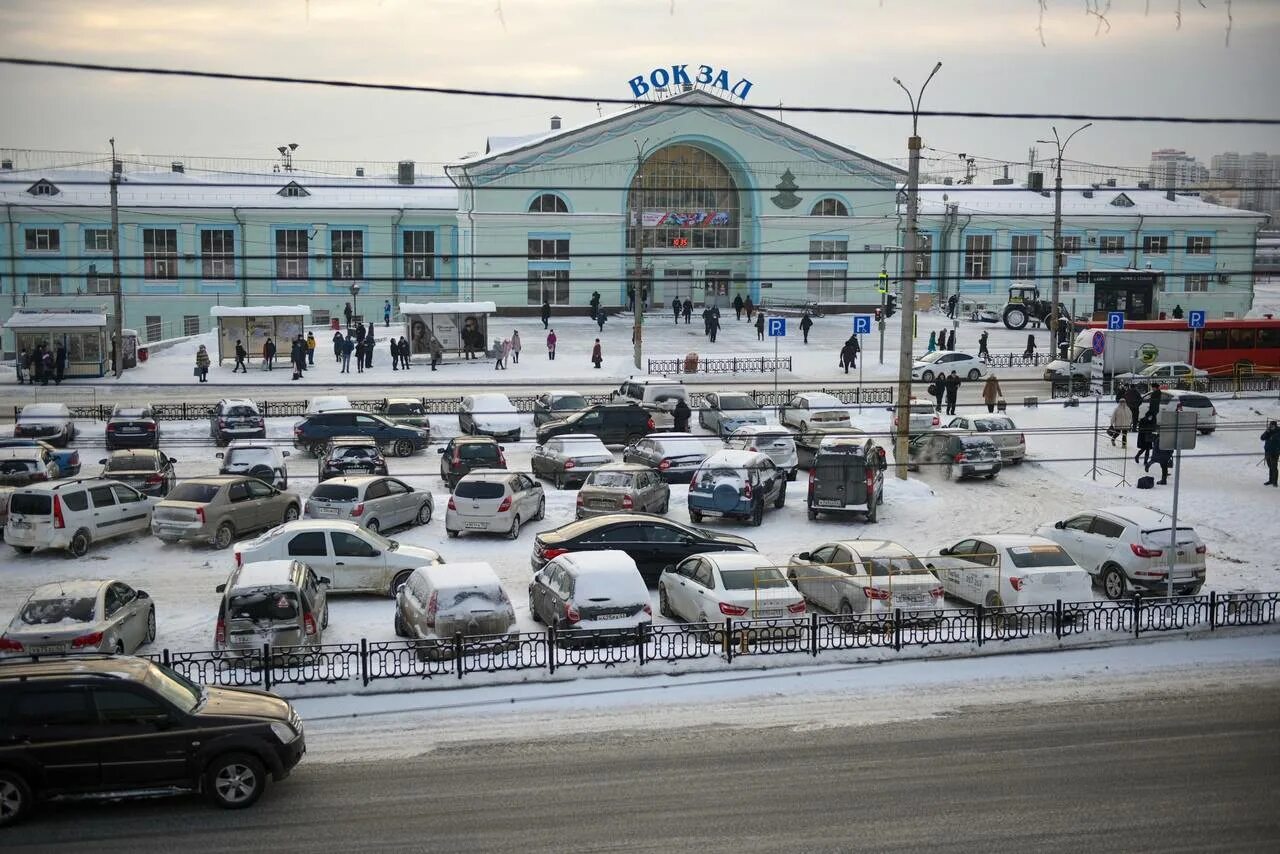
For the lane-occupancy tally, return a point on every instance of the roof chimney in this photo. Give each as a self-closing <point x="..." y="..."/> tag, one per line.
<point x="177" y="166"/>
<point x="1144" y="185"/>
<point x="359" y="171"/>
<point x="405" y="174"/>
<point x="555" y="123"/>
<point x="6" y="164"/>
<point x="1088" y="194"/>
<point x="1006" y="180"/>
<point x="1035" y="181"/>
<point x="1111" y="182"/>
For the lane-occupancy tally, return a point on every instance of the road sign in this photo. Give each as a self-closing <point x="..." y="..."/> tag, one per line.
<point x="1115" y="320"/>
<point x="862" y="324"/>
<point x="777" y="327"/>
<point x="1148" y="353"/>
<point x="1099" y="343"/>
<point x="1195" y="319"/>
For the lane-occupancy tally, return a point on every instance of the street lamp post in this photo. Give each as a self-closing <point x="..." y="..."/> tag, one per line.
<point x="909" y="283"/>
<point x="355" y="293"/>
<point x="1054" y="290"/>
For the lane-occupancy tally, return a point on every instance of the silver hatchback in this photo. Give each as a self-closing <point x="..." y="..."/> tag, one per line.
<point x="371" y="501"/>
<point x="496" y="501"/>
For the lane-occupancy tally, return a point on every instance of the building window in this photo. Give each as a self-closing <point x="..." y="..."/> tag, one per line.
<point x="217" y="253"/>
<point x="42" y="188"/>
<point x="419" y="255"/>
<point x="45" y="286"/>
<point x="98" y="240"/>
<point x="1111" y="244"/>
<point x="1022" y="250"/>
<point x="827" y="285"/>
<point x="924" y="256"/>
<point x="159" y="253"/>
<point x="828" y="250"/>
<point x="43" y="240"/>
<point x="1199" y="244"/>
<point x="292" y="190"/>
<point x="346" y="246"/>
<point x="1197" y="284"/>
<point x="548" y="203"/>
<point x="320" y="316"/>
<point x="1071" y="244"/>
<point x="99" y="285"/>
<point x="549" y="285"/>
<point x="829" y="207"/>
<point x="686" y="199"/>
<point x="548" y="250"/>
<point x="1155" y="245"/>
<point x="154" y="328"/>
<point x="977" y="256"/>
<point x="191" y="324"/>
<point x="291" y="253"/>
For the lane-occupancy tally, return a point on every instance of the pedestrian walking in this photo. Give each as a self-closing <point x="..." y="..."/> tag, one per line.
<point x="938" y="388"/>
<point x="311" y="348"/>
<point x="515" y="346"/>
<point x="760" y="326"/>
<point x="46" y="364"/>
<point x="738" y="305"/>
<point x="991" y="392"/>
<point x="360" y="344"/>
<point x="933" y="342"/>
<point x="241" y="355"/>
<point x="394" y="347"/>
<point x="982" y="346"/>
<point x="369" y="341"/>
<point x="505" y="351"/>
<point x="346" y="312"/>
<point x="21" y="364"/>
<point x="60" y="363"/>
<point x="269" y="355"/>
<point x="951" y="305"/>
<point x="546" y="312"/>
<point x="337" y="347"/>
<point x="1159" y="457"/>
<point x="953" y="391"/>
<point x="202" y="364"/>
<point x="681" y="416"/>
<point x="551" y="345"/>
<point x="951" y="341"/>
<point x="1146" y="439"/>
<point x="1031" y="346"/>
<point x="749" y="307"/>
<point x="1121" y="424"/>
<point x="437" y="351"/>
<point x="675" y="308"/>
<point x="386" y="313"/>
<point x="348" y="346"/>
<point x="596" y="356"/>
<point x="1271" y="451"/>
<point x="1153" y="403"/>
<point x="713" y="325"/>
<point x="601" y="317"/>
<point x="806" y="323"/>
<point x="1133" y="399"/>
<point x="631" y="298"/>
<point x="595" y="304"/>
<point x="687" y="309"/>
<point x="361" y="331"/>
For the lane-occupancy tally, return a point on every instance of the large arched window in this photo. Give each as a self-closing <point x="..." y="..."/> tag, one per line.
<point x="829" y="207"/>
<point x="688" y="200"/>
<point x="548" y="203"/>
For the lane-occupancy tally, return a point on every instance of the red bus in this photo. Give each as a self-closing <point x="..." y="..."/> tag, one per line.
<point x="1224" y="347"/>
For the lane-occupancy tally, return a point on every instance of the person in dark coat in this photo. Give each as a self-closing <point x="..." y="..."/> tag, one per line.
<point x="46" y="364"/>
<point x="706" y="321"/>
<point x="546" y="312"/>
<point x="749" y="307"/>
<point x="337" y="346"/>
<point x="394" y="347"/>
<point x="369" y="341"/>
<point x="951" y="340"/>
<point x="982" y="346"/>
<point x="938" y="388"/>
<point x="1153" y="403"/>
<point x="1031" y="346"/>
<point x="1133" y="398"/>
<point x="953" y="391"/>
<point x="359" y="355"/>
<point x="1146" y="440"/>
<point x="713" y="325"/>
<point x="759" y="324"/>
<point x="404" y="352"/>
<point x="675" y="308"/>
<point x="1271" y="451"/>
<point x="595" y="304"/>
<point x="1177" y="312"/>
<point x="951" y="305"/>
<point x="806" y="323"/>
<point x="849" y="353"/>
<point x="360" y="331"/>
<point x="269" y="355"/>
<point x="737" y="306"/>
<point x="241" y="355"/>
<point x="437" y="351"/>
<point x="346" y="312"/>
<point x="596" y="356"/>
<point x="631" y="298"/>
<point x="348" y="347"/>
<point x="60" y="363"/>
<point x="681" y="415"/>
<point x="601" y="317"/>
<point x="687" y="309"/>
<point x="21" y="363"/>
<point x="1159" y="457"/>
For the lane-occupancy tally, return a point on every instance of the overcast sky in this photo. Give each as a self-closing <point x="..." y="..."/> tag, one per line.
<point x="802" y="52"/>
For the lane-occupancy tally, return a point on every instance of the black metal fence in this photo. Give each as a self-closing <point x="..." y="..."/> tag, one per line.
<point x="723" y="365"/>
<point x="1216" y="385"/>
<point x="453" y="658"/>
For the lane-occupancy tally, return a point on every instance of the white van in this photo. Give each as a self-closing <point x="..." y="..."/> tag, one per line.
<point x="74" y="514"/>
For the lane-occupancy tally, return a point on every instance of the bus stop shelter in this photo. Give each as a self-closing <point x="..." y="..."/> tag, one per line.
<point x="450" y="323"/>
<point x="83" y="333"/>
<point x="252" y="325"/>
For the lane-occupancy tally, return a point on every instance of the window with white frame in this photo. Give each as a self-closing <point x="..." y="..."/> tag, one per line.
<point x="43" y="239"/>
<point x="548" y="203"/>
<point x="829" y="250"/>
<point x="1199" y="244"/>
<point x="419" y="255"/>
<point x="548" y="285"/>
<point x="1155" y="244"/>
<point x="1022" y="250"/>
<point x="827" y="285"/>
<point x="190" y="324"/>
<point x="346" y="247"/>
<point x="291" y="253"/>
<point x="829" y="207"/>
<point x="159" y="253"/>
<point x="1111" y="244"/>
<point x="1070" y="244"/>
<point x="217" y="253"/>
<point x="1197" y="283"/>
<point x="45" y="286"/>
<point x="98" y="240"/>
<point x="977" y="256"/>
<point x="96" y="284"/>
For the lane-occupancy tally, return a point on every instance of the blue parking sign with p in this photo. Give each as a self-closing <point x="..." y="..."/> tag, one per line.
<point x="777" y="327"/>
<point x="1195" y="319"/>
<point x="1115" y="320"/>
<point x="862" y="324"/>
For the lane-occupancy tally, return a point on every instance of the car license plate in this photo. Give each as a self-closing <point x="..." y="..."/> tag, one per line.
<point x="475" y="525"/>
<point x="982" y="467"/>
<point x="327" y="511"/>
<point x="19" y="523"/>
<point x="48" y="649"/>
<point x="130" y="429"/>
<point x="768" y="613"/>
<point x="829" y="502"/>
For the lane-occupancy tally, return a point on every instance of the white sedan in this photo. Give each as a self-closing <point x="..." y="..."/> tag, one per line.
<point x="707" y="588"/>
<point x="938" y="362"/>
<point x="815" y="407"/>
<point x="864" y="577"/>
<point x="1010" y="569"/>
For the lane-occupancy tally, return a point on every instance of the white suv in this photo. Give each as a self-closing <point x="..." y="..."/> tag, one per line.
<point x="1128" y="547"/>
<point x="74" y="514"/>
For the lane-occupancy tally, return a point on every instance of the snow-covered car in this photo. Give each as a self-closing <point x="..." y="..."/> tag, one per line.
<point x="1165" y="374"/>
<point x="814" y="407"/>
<point x="236" y="418"/>
<point x="726" y="411"/>
<point x="97" y="615"/>
<point x="600" y="592"/>
<point x="743" y="585"/>
<point x="930" y="365"/>
<point x="864" y="577"/>
<point x="984" y="315"/>
<point x="956" y="454"/>
<point x="1011" y="441"/>
<point x="556" y="405"/>
<point x="48" y="421"/>
<point x="778" y="445"/>
<point x="489" y="414"/>
<point x="569" y="458"/>
<point x="351" y="557"/>
<point x="327" y="403"/>
<point x="74" y="514"/>
<point x="494" y="501"/>
<point x="438" y="602"/>
<point x="68" y="459"/>
<point x="921" y="417"/>
<point x="20" y="466"/>
<point x="408" y="411"/>
<point x="373" y="502"/>
<point x="256" y="458"/>
<point x="622" y="488"/>
<point x="1127" y="548"/>
<point x="1009" y="569"/>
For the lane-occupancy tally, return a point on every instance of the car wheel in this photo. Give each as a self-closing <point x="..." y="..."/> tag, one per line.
<point x="813" y="514"/>
<point x="782" y="497"/>
<point x="235" y="781"/>
<point x="291" y="513"/>
<point x="695" y="515"/>
<point x="533" y="610"/>
<point x="452" y="533"/>
<point x="804" y="427"/>
<point x="542" y="511"/>
<point x="400" y="580"/>
<point x="403" y="448"/>
<point x="401" y="630"/>
<point x="224" y="535"/>
<point x="79" y="544"/>
<point x="757" y="514"/>
<point x="26" y="550"/>
<point x="151" y="627"/>
<point x="926" y="376"/>
<point x="324" y="621"/>
<point x="974" y="374"/>
<point x="1114" y="582"/>
<point x="424" y="513"/>
<point x="15" y="797"/>
<point x="664" y="604"/>
<point x="515" y="528"/>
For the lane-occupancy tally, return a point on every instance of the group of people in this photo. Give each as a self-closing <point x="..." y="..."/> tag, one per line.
<point x="946" y="386"/>
<point x="509" y="349"/>
<point x="741" y="305"/>
<point x="946" y="340"/>
<point x="1125" y="419"/>
<point x="41" y="364"/>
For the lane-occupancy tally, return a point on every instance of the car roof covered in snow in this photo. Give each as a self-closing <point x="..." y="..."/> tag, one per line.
<point x="78" y="588"/>
<point x="1143" y="517"/>
<point x="1010" y="541"/>
<point x="45" y="410"/>
<point x="444" y="576"/>
<point x="739" y="560"/>
<point x="734" y="458"/>
<point x="491" y="398"/>
<point x="262" y="573"/>
<point x="880" y="548"/>
<point x="603" y="562"/>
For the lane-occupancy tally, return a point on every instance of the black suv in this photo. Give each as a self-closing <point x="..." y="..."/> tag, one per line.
<point x="314" y="432"/>
<point x="613" y="423"/>
<point x="105" y="725"/>
<point x="464" y="453"/>
<point x="351" y="455"/>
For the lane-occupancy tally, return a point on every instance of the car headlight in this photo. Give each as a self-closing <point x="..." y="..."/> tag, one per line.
<point x="284" y="732"/>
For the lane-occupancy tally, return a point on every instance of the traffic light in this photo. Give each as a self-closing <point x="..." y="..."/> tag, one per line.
<point x="890" y="305"/>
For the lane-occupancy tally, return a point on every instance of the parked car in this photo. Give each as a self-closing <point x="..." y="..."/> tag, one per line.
<point x="1000" y="429"/>
<point x="218" y="509"/>
<point x="1009" y="569"/>
<point x="865" y="577"/>
<point x="149" y="471"/>
<point x="48" y="421"/>
<point x="622" y="487"/>
<point x="374" y="502"/>
<point x="569" y="458"/>
<point x="726" y="411"/>
<point x="709" y="587"/>
<point x="68" y="459"/>
<point x="816" y="408"/>
<point x="653" y="542"/>
<point x="74" y="514"/>
<point x="163" y="733"/>
<point x="736" y="485"/>
<point x="236" y="418"/>
<point x="489" y="414"/>
<point x="21" y="466"/>
<point x="1165" y="374"/>
<point x="350" y="455"/>
<point x="657" y="394"/>
<point x="328" y="403"/>
<point x="494" y="501"/>
<point x="132" y="427"/>
<point x="847" y="477"/>
<point x="921" y="417"/>
<point x="556" y="405"/>
<point x="930" y="365"/>
<point x="598" y="592"/>
<point x="283" y="603"/>
<point x="463" y="453"/>
<point x="777" y="444"/>
<point x="98" y="615"/>
<point x="437" y="603"/>
<point x="351" y="557"/>
<point x="407" y="411"/>
<point x="260" y="459"/>
<point x="314" y="432"/>
<point x="613" y="423"/>
<point x="1179" y="400"/>
<point x="1126" y="548"/>
<point x="958" y="455"/>
<point x="674" y="456"/>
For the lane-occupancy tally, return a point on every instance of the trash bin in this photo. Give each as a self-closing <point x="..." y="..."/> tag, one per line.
<point x="691" y="363"/>
<point x="334" y="324"/>
<point x="143" y="353"/>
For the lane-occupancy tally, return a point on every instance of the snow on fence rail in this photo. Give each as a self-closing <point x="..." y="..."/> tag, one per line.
<point x="552" y="650"/>
<point x="745" y="364"/>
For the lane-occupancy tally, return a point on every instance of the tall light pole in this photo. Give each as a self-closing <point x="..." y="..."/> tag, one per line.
<point x="909" y="283"/>
<point x="355" y="292"/>
<point x="637" y="276"/>
<point x="1057" y="234"/>
<point x="117" y="284"/>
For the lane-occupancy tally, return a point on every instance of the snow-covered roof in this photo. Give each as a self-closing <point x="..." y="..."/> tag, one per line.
<point x="602" y="561"/>
<point x="54" y="319"/>
<point x="448" y="307"/>
<point x="733" y="458"/>
<point x="264" y="573"/>
<point x="453" y="575"/>
<point x="44" y="410"/>
<point x="259" y="310"/>
<point x="740" y="560"/>
<point x="1079" y="200"/>
<point x="867" y="548"/>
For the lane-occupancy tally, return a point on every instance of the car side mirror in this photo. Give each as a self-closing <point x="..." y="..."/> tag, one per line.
<point x="102" y="462"/>
<point x="219" y="455"/>
<point x="173" y="459"/>
<point x="1059" y="524"/>
<point x="671" y="567"/>
<point x="284" y="453"/>
<point x="221" y="588"/>
<point x="805" y="556"/>
<point x="142" y="594"/>
<point x="944" y="552"/>
<point x="439" y="450"/>
<point x="324" y="581"/>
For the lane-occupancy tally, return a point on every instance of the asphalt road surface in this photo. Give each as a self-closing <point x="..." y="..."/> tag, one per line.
<point x="1195" y="770"/>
